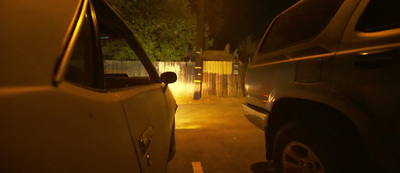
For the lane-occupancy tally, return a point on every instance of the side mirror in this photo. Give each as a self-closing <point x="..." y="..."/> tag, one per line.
<point x="168" y="77"/>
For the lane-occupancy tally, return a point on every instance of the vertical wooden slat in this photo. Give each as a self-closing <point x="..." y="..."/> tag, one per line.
<point x="218" y="79"/>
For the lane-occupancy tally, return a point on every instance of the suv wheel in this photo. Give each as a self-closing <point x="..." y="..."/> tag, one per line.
<point x="297" y="157"/>
<point x="313" y="149"/>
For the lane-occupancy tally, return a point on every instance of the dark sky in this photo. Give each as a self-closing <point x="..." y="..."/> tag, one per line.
<point x="231" y="21"/>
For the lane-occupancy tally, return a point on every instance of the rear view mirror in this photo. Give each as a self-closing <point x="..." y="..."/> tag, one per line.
<point x="168" y="77"/>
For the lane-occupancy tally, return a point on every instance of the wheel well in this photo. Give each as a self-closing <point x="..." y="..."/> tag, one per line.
<point x="311" y="114"/>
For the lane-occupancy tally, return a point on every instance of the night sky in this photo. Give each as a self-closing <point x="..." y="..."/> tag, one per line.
<point x="231" y="21"/>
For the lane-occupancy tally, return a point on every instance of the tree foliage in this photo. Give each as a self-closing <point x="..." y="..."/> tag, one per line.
<point x="247" y="49"/>
<point x="117" y="49"/>
<point x="165" y="28"/>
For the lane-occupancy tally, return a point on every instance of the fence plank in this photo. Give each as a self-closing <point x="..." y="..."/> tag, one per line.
<point x="218" y="79"/>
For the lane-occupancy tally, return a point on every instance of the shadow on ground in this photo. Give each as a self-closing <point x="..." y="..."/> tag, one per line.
<point x="263" y="167"/>
<point x="208" y="100"/>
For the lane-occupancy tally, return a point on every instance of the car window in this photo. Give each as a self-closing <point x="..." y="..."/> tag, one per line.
<point x="80" y="67"/>
<point x="379" y="15"/>
<point x="118" y="67"/>
<point x="302" y="21"/>
<point x="122" y="66"/>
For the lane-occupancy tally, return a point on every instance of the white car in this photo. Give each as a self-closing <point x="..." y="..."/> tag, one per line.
<point x="59" y="112"/>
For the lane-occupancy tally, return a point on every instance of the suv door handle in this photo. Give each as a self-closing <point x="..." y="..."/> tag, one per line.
<point x="375" y="59"/>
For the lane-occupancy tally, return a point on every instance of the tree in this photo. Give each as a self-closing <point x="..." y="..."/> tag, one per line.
<point x="165" y="28"/>
<point x="247" y="49"/>
<point x="215" y="12"/>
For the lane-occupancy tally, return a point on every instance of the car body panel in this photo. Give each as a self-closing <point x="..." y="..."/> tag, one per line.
<point x="258" y="118"/>
<point x="143" y="117"/>
<point x="27" y="18"/>
<point x="64" y="129"/>
<point x="369" y="75"/>
<point x="358" y="76"/>
<point x="51" y="123"/>
<point x="282" y="70"/>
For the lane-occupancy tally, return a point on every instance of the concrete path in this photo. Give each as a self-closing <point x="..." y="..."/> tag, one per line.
<point x="213" y="136"/>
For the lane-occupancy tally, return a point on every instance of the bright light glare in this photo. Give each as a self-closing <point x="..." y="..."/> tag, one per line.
<point x="182" y="89"/>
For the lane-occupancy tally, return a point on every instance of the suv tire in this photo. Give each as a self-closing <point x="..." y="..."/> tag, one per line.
<point x="298" y="148"/>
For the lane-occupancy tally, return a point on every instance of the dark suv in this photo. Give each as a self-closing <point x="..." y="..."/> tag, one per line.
<point x="324" y="85"/>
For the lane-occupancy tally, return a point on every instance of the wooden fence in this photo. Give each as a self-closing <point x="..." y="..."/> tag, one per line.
<point x="183" y="87"/>
<point x="223" y="79"/>
<point x="218" y="77"/>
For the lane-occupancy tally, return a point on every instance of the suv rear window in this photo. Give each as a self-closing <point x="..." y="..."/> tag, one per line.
<point x="302" y="21"/>
<point x="379" y="15"/>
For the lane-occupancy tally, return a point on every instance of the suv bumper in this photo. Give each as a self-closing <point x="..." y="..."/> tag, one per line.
<point x="256" y="117"/>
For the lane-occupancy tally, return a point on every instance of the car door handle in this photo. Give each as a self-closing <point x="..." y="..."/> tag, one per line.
<point x="375" y="59"/>
<point x="145" y="139"/>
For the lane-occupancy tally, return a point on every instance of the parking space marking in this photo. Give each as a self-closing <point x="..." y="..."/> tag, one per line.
<point x="197" y="167"/>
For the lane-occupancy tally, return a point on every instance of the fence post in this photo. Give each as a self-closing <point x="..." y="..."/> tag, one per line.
<point x="198" y="77"/>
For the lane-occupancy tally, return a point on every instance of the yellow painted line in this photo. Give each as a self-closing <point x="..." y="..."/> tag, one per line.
<point x="197" y="167"/>
<point x="197" y="81"/>
<point x="197" y="67"/>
